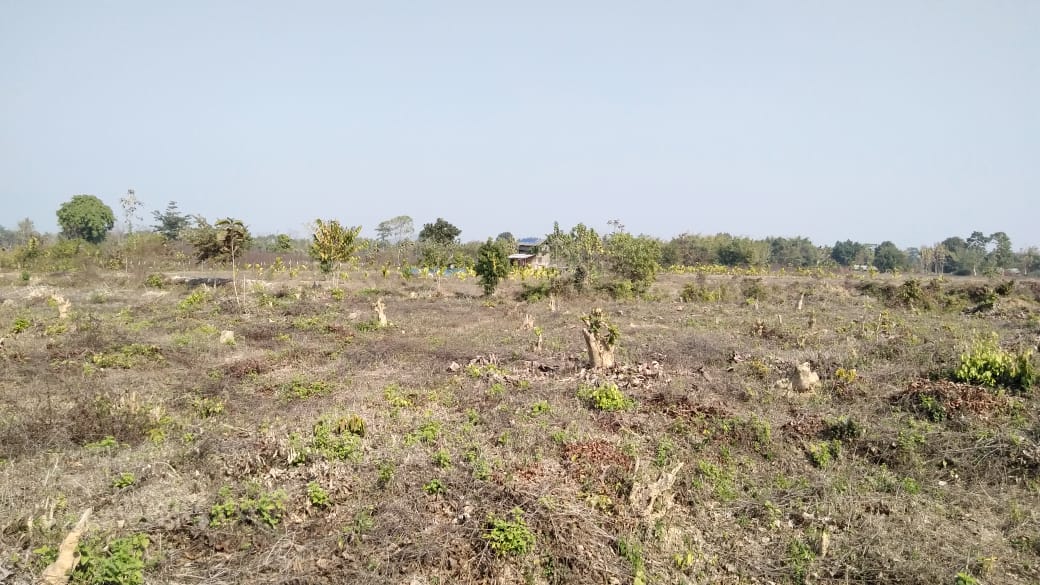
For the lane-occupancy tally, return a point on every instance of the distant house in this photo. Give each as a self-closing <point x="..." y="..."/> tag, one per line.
<point x="530" y="252"/>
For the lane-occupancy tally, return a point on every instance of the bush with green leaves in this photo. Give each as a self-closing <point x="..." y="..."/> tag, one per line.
<point x="636" y="259"/>
<point x="333" y="244"/>
<point x="509" y="537"/>
<point x="987" y="364"/>
<point x="492" y="266"/>
<point x="255" y="506"/>
<point x="117" y="562"/>
<point x="607" y="397"/>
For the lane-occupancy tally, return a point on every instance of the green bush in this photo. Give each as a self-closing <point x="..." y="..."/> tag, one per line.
<point x="606" y="396"/>
<point x="509" y="537"/>
<point x="988" y="365"/>
<point x="119" y="562"/>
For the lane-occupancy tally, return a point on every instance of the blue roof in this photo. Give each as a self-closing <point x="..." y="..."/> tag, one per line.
<point x="529" y="241"/>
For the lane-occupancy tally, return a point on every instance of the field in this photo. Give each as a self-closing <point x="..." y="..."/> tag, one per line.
<point x="466" y="442"/>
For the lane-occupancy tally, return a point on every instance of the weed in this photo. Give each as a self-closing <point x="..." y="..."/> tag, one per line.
<point x="821" y="454"/>
<point x="664" y="453"/>
<point x="632" y="551"/>
<point x="963" y="578"/>
<point x="194" y="300"/>
<point x="317" y="495"/>
<point x="509" y="537"/>
<point x="127" y="356"/>
<point x="118" y="562"/>
<point x="607" y="396"/>
<point x="123" y="480"/>
<point x="386" y="474"/>
<point x="334" y="439"/>
<point x="931" y="407"/>
<point x="254" y="506"/>
<point x="800" y="557"/>
<point x="206" y="407"/>
<point x="539" y="408"/>
<point x="301" y="389"/>
<point x="108" y="443"/>
<point x="21" y="324"/>
<point x="844" y="428"/>
<point x="396" y="397"/>
<point x="442" y="458"/>
<point x="434" y="487"/>
<point x="428" y="432"/>
<point x="156" y="280"/>
<point x="989" y="365"/>
<point x="719" y="478"/>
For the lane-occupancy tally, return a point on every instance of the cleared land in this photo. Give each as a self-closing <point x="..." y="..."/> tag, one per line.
<point x="466" y="443"/>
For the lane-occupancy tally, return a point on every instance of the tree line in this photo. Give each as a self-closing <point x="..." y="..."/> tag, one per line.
<point x="86" y="220"/>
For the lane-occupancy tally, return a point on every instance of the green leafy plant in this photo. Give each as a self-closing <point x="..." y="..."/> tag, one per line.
<point x="21" y="324"/>
<point x="336" y="438"/>
<point x="822" y="453"/>
<point x="800" y="557"/>
<point x="509" y="537"/>
<point x="317" y="495"/>
<point x="301" y="389"/>
<point x="120" y="561"/>
<point x="987" y="364"/>
<point x="434" y="487"/>
<point x="206" y="407"/>
<point x="255" y="506"/>
<point x="124" y="480"/>
<point x="492" y="266"/>
<point x="127" y="356"/>
<point x="442" y="458"/>
<point x="539" y="408"/>
<point x="428" y="432"/>
<point x="607" y="396"/>
<point x="332" y="244"/>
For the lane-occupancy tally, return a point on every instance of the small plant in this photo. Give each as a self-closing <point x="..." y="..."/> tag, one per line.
<point x="206" y="407"/>
<point x="800" y="557"/>
<point x="396" y="397"/>
<point x="601" y="337"/>
<point x="844" y="428"/>
<point x="442" y="458"/>
<point x="428" y="432"/>
<point x="155" y="280"/>
<point x="509" y="537"/>
<point x="127" y="356"/>
<point x="255" y="506"/>
<point x="194" y="300"/>
<point x="963" y="578"/>
<point x="335" y="439"/>
<point x="105" y="444"/>
<point x="539" y="408"/>
<point x="931" y="407"/>
<point x="337" y="294"/>
<point x="117" y="562"/>
<point x="846" y="376"/>
<point x="434" y="487"/>
<point x="386" y="474"/>
<point x="21" y="324"/>
<point x="632" y="551"/>
<point x="821" y="454"/>
<point x="987" y="364"/>
<point x="301" y="389"/>
<point x="123" y="480"/>
<point x="606" y="396"/>
<point x="317" y="495"/>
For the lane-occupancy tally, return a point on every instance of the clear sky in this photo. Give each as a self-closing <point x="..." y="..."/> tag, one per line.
<point x="876" y="120"/>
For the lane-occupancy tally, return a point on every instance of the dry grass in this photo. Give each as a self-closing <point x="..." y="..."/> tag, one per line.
<point x="905" y="476"/>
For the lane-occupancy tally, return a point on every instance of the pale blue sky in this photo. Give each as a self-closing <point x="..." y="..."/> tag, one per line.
<point x="902" y="120"/>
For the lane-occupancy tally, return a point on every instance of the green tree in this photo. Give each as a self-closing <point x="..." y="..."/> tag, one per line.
<point x="975" y="254"/>
<point x="580" y="249"/>
<point x="635" y="259"/>
<point x="85" y="217"/>
<point x="171" y="222"/>
<point x="738" y="252"/>
<point x="223" y="241"/>
<point x="282" y="243"/>
<point x="888" y="257"/>
<point x="844" y="253"/>
<point x="332" y="243"/>
<point x="492" y="266"/>
<point x="440" y="232"/>
<point x="395" y="230"/>
<point x="1001" y="256"/>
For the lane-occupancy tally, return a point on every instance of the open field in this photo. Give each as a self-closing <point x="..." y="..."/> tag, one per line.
<point x="465" y="442"/>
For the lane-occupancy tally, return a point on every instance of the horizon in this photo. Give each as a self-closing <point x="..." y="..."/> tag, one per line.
<point x="905" y="122"/>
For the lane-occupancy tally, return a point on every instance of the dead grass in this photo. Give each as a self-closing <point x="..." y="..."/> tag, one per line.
<point x="467" y="419"/>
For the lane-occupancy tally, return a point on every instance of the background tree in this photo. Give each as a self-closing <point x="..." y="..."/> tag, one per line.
<point x="395" y="230"/>
<point x="440" y="232"/>
<point x="845" y="253"/>
<point x="332" y="244"/>
<point x="85" y="217"/>
<point x="492" y="266"/>
<point x="282" y="243"/>
<point x="171" y="222"/>
<point x="130" y="204"/>
<point x="507" y="238"/>
<point x="739" y="252"/>
<point x="580" y="249"/>
<point x="975" y="252"/>
<point x="8" y="238"/>
<point x="888" y="257"/>
<point x="635" y="259"/>
<point x="26" y="231"/>
<point x="1000" y="256"/>
<point x="223" y="241"/>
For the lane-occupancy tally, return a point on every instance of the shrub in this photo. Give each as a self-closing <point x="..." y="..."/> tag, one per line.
<point x="988" y="365"/>
<point x="492" y="266"/>
<point x="606" y="396"/>
<point x="509" y="537"/>
<point x="317" y="495"/>
<point x="119" y="562"/>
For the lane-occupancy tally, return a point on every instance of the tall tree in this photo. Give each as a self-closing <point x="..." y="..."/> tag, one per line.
<point x="888" y="257"/>
<point x="976" y="250"/>
<point x="171" y="222"/>
<point x="580" y="249"/>
<point x="636" y="259"/>
<point x="1001" y="255"/>
<point x="86" y="217"/>
<point x="440" y="232"/>
<point x="130" y="204"/>
<point x="395" y="230"/>
<point x="844" y="253"/>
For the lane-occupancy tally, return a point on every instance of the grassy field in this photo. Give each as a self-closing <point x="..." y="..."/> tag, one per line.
<point x="465" y="442"/>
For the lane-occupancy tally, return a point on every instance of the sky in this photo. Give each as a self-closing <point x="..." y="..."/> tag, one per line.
<point x="901" y="120"/>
